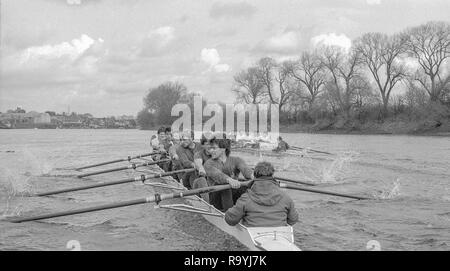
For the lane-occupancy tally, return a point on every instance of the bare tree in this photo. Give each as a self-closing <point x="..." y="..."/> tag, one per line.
<point x="381" y="53"/>
<point x="430" y="45"/>
<point x="286" y="86"/>
<point x="266" y="67"/>
<point x="309" y="71"/>
<point x="364" y="94"/>
<point x="344" y="69"/>
<point x="248" y="86"/>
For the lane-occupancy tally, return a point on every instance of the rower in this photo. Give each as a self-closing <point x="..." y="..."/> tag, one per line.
<point x="282" y="145"/>
<point x="202" y="154"/>
<point x="174" y="163"/>
<point x="264" y="204"/>
<point x="162" y="144"/>
<point x="200" y="157"/>
<point x="158" y="142"/>
<point x="185" y="152"/>
<point x="169" y="135"/>
<point x="225" y="169"/>
<point x="175" y="142"/>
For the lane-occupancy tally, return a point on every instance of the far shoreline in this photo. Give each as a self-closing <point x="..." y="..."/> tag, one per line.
<point x="392" y="129"/>
<point x="293" y="130"/>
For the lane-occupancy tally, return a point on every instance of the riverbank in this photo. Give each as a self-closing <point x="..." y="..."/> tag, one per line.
<point x="390" y="127"/>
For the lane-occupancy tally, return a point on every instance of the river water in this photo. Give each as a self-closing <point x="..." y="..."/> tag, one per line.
<point x="408" y="177"/>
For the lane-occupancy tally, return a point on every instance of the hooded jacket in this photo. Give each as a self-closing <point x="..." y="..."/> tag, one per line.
<point x="263" y="205"/>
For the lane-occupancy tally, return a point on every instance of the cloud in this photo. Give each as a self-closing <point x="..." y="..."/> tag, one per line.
<point x="222" y="32"/>
<point x="332" y="39"/>
<point x="163" y="35"/>
<point x="231" y="10"/>
<point x="410" y="63"/>
<point x="54" y="65"/>
<point x="212" y="58"/>
<point x="285" y="43"/>
<point x="71" y="50"/>
<point x="79" y="2"/>
<point x="157" y="41"/>
<point x="74" y="2"/>
<point x="373" y="2"/>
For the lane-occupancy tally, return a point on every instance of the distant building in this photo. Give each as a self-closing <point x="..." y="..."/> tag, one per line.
<point x="26" y="120"/>
<point x="124" y="117"/>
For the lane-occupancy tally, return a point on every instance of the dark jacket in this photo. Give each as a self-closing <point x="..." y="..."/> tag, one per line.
<point x="263" y="205"/>
<point x="282" y="146"/>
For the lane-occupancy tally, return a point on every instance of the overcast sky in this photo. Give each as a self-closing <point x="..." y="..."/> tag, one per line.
<point x="102" y="56"/>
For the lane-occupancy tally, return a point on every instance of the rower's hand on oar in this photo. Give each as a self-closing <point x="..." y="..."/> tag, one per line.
<point x="235" y="184"/>
<point x="202" y="172"/>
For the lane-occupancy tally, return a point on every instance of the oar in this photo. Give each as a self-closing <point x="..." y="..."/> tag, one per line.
<point x="294" y="181"/>
<point x="295" y="187"/>
<point x="153" y="198"/>
<point x="131" y="166"/>
<point x="129" y="158"/>
<point x="298" y="148"/>
<point x="129" y="180"/>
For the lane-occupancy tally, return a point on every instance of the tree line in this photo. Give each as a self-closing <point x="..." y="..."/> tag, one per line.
<point x="329" y="83"/>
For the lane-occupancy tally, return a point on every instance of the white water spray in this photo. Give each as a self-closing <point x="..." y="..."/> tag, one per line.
<point x="389" y="192"/>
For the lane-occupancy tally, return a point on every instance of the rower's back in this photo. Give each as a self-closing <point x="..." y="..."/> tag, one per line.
<point x="264" y="204"/>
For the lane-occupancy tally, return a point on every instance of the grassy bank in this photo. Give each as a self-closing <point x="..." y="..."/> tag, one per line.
<point x="395" y="127"/>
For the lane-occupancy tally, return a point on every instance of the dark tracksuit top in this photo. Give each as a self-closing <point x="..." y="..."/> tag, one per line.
<point x="263" y="205"/>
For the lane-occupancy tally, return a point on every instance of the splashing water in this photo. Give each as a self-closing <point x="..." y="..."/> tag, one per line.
<point x="330" y="173"/>
<point x="15" y="188"/>
<point x="389" y="192"/>
<point x="41" y="163"/>
<point x="286" y="165"/>
<point x="338" y="167"/>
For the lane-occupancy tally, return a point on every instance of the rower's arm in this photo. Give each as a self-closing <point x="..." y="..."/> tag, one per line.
<point x="292" y="216"/>
<point x="199" y="166"/>
<point x="246" y="171"/>
<point x="214" y="174"/>
<point x="237" y="212"/>
<point x="173" y="152"/>
<point x="184" y="160"/>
